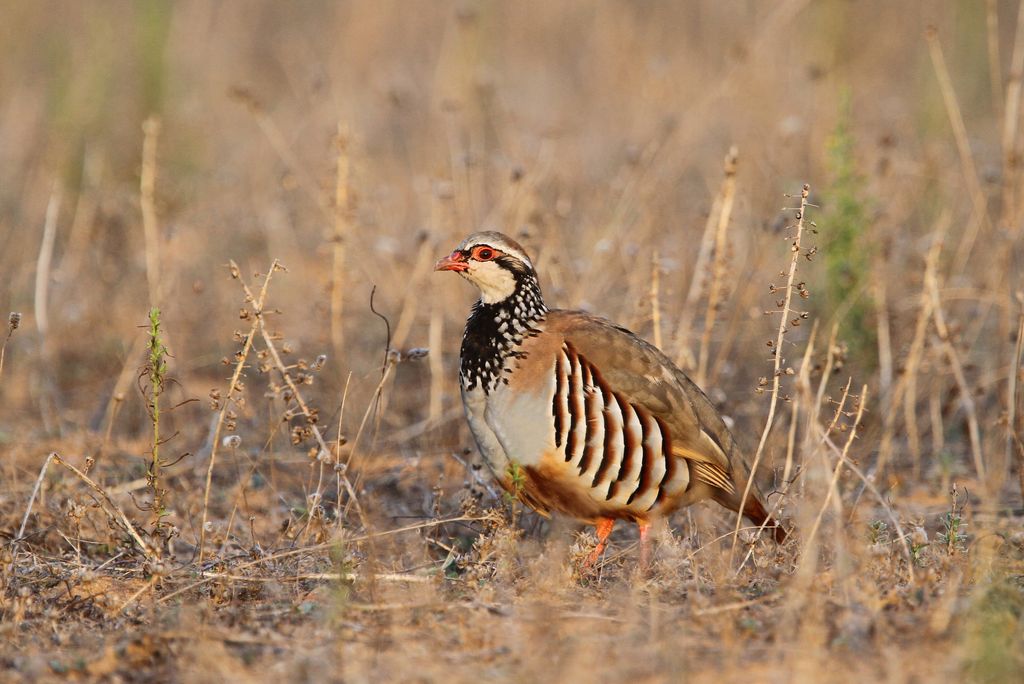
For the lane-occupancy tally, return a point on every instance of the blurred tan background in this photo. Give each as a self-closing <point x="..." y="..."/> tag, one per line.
<point x="144" y="145"/>
<point x="593" y="132"/>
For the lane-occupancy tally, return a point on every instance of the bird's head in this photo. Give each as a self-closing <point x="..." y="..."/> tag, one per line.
<point x="495" y="263"/>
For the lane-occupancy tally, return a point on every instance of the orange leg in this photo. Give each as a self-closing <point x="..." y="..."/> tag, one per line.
<point x="604" y="528"/>
<point x="645" y="545"/>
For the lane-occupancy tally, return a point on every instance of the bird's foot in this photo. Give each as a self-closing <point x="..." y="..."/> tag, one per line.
<point x="604" y="528"/>
<point x="646" y="550"/>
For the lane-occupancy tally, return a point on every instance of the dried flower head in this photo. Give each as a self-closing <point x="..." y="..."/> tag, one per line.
<point x="14" y="320"/>
<point x="415" y="354"/>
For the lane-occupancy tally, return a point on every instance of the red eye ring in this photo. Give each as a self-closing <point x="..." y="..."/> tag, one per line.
<point x="484" y="254"/>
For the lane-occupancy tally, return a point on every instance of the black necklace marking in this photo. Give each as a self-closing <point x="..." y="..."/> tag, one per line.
<point x="493" y="332"/>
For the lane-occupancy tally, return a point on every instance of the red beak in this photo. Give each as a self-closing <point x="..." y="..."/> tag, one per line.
<point x="456" y="261"/>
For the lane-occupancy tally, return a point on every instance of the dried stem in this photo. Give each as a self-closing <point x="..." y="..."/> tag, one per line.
<point x="840" y="408"/>
<point x="47" y="397"/>
<point x="966" y="395"/>
<point x="410" y="300"/>
<point x="915" y="354"/>
<point x="32" y="498"/>
<point x="142" y="590"/>
<point x="115" y="405"/>
<point x="84" y="215"/>
<point x="44" y="261"/>
<point x="242" y="357"/>
<point x="13" y="321"/>
<point x="655" y="301"/>
<point x="936" y="425"/>
<point x="1013" y="439"/>
<point x="147" y="187"/>
<point x="343" y="207"/>
<point x="833" y="488"/>
<point x="795" y="253"/>
<point x="995" y="75"/>
<point x="963" y="147"/>
<point x="338" y="439"/>
<point x="303" y="406"/>
<point x="366" y="414"/>
<point x="910" y="416"/>
<point x="1011" y="118"/>
<point x="883" y="327"/>
<point x="435" y="337"/>
<point x="830" y="361"/>
<point x="883" y="501"/>
<point x="156" y="371"/>
<point x="129" y="370"/>
<point x="804" y="383"/>
<point x="284" y="152"/>
<point x="115" y="510"/>
<point x="719" y="277"/>
<point x="321" y="547"/>
<point x="684" y="357"/>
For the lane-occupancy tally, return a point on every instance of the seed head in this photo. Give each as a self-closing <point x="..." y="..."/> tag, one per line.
<point x="415" y="354"/>
<point x="14" y="320"/>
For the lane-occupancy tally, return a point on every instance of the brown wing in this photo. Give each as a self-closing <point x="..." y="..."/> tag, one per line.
<point x="646" y="378"/>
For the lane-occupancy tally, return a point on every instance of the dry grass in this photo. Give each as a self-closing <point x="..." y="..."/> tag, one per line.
<point x="301" y="499"/>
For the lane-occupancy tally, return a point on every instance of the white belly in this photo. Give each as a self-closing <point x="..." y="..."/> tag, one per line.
<point x="522" y="423"/>
<point x="510" y="427"/>
<point x="475" y="403"/>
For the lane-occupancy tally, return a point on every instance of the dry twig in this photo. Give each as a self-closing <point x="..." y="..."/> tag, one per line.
<point x="719" y="276"/>
<point x="963" y="148"/>
<point x="655" y="300"/>
<point x="1011" y="118"/>
<point x="45" y="260"/>
<point x="1013" y="439"/>
<point x="684" y="356"/>
<point x="260" y="324"/>
<point x="32" y="498"/>
<point x="905" y="388"/>
<point x="13" y="321"/>
<point x="795" y="253"/>
<point x="281" y="147"/>
<point x="147" y="187"/>
<point x="804" y="383"/>
<point x="966" y="395"/>
<point x="343" y="207"/>
<point x="321" y="547"/>
<point x="115" y="510"/>
<point x="833" y="487"/>
<point x="242" y="356"/>
<point x="995" y="75"/>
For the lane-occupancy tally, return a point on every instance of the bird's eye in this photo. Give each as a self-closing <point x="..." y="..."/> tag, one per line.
<point x="485" y="254"/>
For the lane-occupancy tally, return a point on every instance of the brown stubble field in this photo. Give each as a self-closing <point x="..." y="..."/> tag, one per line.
<point x="651" y="156"/>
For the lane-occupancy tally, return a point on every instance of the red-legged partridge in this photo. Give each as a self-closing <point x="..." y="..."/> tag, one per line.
<point x="577" y="415"/>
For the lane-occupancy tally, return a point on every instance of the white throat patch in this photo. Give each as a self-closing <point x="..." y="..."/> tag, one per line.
<point x="495" y="283"/>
